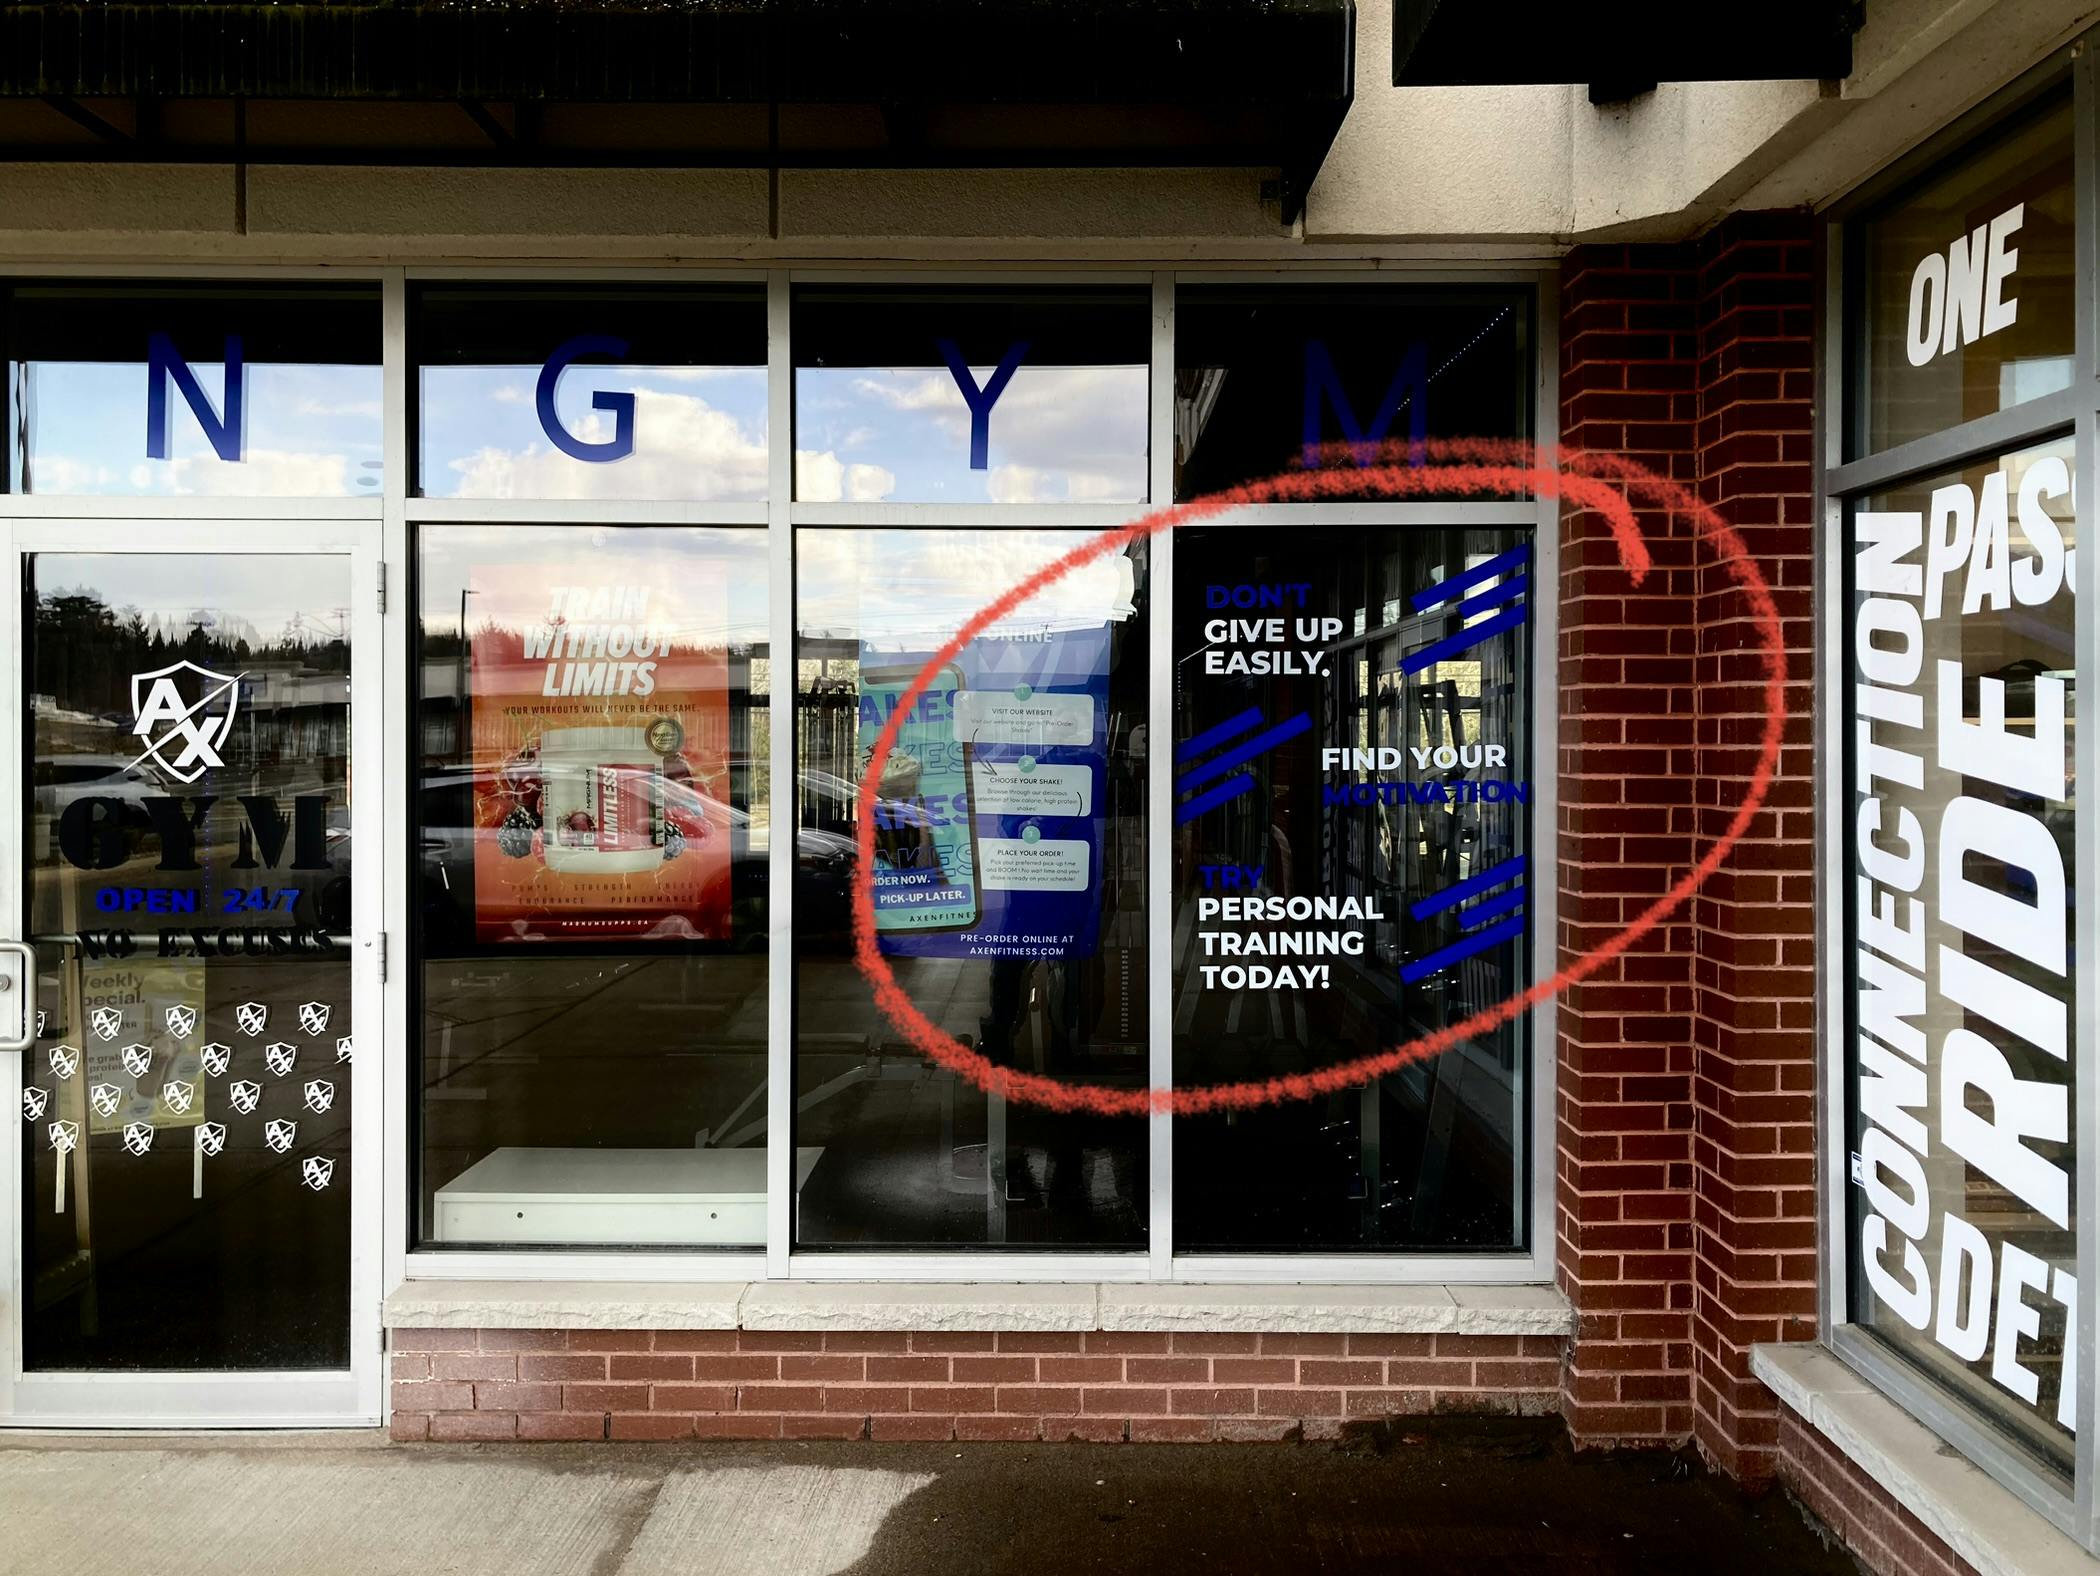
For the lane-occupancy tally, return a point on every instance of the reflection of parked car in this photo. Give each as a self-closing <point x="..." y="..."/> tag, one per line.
<point x="61" y="780"/>
<point x="450" y="837"/>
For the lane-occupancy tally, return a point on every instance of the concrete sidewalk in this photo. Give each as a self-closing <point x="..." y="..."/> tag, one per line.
<point x="1459" y="1501"/>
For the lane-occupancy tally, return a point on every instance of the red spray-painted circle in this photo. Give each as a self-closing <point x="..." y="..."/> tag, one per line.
<point x="1464" y="467"/>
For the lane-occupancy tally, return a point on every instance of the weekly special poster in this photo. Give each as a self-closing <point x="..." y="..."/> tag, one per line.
<point x="988" y="815"/>
<point x="600" y="693"/>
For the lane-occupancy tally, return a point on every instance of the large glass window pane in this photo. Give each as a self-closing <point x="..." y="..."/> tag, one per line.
<point x="1961" y="1045"/>
<point x="961" y="394"/>
<point x="186" y="1167"/>
<point x="591" y="842"/>
<point x="174" y="390"/>
<point x="1968" y="287"/>
<point x="1353" y="831"/>
<point x="1262" y="373"/>
<point x="1009" y="890"/>
<point x="608" y="391"/>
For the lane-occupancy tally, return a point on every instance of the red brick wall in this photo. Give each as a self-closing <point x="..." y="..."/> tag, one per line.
<point x="1857" y="1511"/>
<point x="1102" y="1385"/>
<point x="1685" y="1155"/>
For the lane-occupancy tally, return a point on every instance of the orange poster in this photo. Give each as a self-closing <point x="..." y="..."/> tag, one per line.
<point x="600" y="702"/>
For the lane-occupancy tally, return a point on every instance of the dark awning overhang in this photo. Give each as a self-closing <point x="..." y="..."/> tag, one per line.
<point x="831" y="83"/>
<point x="1619" y="49"/>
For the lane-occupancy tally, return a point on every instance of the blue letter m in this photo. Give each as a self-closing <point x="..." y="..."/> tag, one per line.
<point x="1409" y="386"/>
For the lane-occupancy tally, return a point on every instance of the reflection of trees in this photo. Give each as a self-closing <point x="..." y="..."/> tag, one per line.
<point x="86" y="652"/>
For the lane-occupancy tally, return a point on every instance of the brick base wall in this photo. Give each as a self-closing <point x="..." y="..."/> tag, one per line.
<point x="1101" y="1385"/>
<point x="1855" y="1510"/>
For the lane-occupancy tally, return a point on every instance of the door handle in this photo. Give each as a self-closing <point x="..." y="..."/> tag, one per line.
<point x="17" y="996"/>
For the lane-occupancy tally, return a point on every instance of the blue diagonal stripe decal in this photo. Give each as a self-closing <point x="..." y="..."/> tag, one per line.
<point x="1494" y="596"/>
<point x="1445" y="590"/>
<point x="1210" y="738"/>
<point x="1489" y="907"/>
<point x="1244" y="783"/>
<point x="1462" y="949"/>
<point x="1260" y="744"/>
<point x="1452" y="645"/>
<point x="1472" y="886"/>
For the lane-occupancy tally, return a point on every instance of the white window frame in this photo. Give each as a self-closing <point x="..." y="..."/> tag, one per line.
<point x="2075" y="409"/>
<point x="400" y="513"/>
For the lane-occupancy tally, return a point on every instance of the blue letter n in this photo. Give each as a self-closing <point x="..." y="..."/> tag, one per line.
<point x="163" y="362"/>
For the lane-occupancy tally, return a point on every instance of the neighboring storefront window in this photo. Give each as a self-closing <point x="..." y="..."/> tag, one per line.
<point x="567" y="391"/>
<point x="1009" y="890"/>
<point x="1966" y="287"/>
<point x="971" y="394"/>
<point x="194" y="390"/>
<point x="589" y="819"/>
<point x="1960" y="705"/>
<point x="1352" y="852"/>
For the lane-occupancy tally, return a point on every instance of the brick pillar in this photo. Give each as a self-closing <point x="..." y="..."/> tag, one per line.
<point x="1624" y="1112"/>
<point x="1754" y="978"/>
<point x="1686" y="1197"/>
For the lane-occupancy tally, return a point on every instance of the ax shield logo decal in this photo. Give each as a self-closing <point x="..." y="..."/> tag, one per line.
<point x="315" y="1172"/>
<point x="136" y="1059"/>
<point x="245" y="1095"/>
<point x="35" y="1102"/>
<point x="138" y="1138"/>
<point x="279" y="1055"/>
<point x="65" y="1061"/>
<point x="105" y="1021"/>
<point x="320" y="1095"/>
<point x="105" y="1098"/>
<point x="178" y="1097"/>
<point x="251" y="1016"/>
<point x="211" y="1137"/>
<point x="184" y="714"/>
<point x="280" y="1135"/>
<point x="313" y="1017"/>
<point x="217" y="1057"/>
<point x="64" y="1135"/>
<point x="182" y="1022"/>
<point x="342" y="1049"/>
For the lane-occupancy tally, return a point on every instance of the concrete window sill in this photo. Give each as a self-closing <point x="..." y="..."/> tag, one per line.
<point x="895" y="1305"/>
<point x="1979" y="1520"/>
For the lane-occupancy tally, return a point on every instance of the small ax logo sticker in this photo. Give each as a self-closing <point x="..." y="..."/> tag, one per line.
<point x="217" y="1057"/>
<point x="251" y="1016"/>
<point x="138" y="1138"/>
<point x="320" y="1095"/>
<point x="35" y="1102"/>
<point x="178" y="1097"/>
<point x="43" y="1018"/>
<point x="182" y="1021"/>
<point x="279" y="1055"/>
<point x="105" y="1098"/>
<point x="136" y="1059"/>
<point x="65" y="1061"/>
<point x="245" y="1095"/>
<point x="342" y="1050"/>
<point x="105" y="1021"/>
<point x="313" y="1017"/>
<point x="64" y="1135"/>
<point x="315" y="1172"/>
<point x="211" y="1137"/>
<point x="280" y="1136"/>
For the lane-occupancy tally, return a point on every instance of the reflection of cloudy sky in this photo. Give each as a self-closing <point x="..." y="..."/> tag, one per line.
<point x="312" y="432"/>
<point x="913" y="589"/>
<point x="864" y="434"/>
<point x="700" y="433"/>
<point x="1058" y="434"/>
<point x="265" y="596"/>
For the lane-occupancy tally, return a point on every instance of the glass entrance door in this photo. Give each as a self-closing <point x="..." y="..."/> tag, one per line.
<point x="186" y="1210"/>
